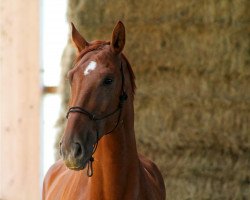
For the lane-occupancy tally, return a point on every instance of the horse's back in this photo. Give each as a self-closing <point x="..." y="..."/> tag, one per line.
<point x="154" y="183"/>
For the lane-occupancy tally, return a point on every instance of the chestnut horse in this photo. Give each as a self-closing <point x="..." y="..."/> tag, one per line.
<point x="102" y="92"/>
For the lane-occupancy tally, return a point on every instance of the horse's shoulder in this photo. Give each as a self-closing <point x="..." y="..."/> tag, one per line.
<point x="153" y="174"/>
<point x="149" y="165"/>
<point x="52" y="173"/>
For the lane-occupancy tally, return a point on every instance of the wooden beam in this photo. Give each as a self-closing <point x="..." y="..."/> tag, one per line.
<point x="50" y="90"/>
<point x="19" y="100"/>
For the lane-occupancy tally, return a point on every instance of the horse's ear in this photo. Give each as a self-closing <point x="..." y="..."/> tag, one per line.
<point x="78" y="40"/>
<point x="118" y="38"/>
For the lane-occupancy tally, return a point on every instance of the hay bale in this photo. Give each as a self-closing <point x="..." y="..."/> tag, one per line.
<point x="192" y="63"/>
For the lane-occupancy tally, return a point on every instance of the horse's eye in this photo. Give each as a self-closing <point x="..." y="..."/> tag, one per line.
<point x="107" y="81"/>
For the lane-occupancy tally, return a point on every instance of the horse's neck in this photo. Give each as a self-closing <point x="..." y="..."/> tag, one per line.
<point x="116" y="160"/>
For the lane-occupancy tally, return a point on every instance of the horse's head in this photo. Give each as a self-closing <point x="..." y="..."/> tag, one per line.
<point x="97" y="91"/>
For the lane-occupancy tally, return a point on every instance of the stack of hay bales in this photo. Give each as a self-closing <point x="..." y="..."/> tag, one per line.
<point x="192" y="106"/>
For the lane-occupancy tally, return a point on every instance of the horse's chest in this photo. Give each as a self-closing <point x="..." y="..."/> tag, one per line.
<point x="67" y="187"/>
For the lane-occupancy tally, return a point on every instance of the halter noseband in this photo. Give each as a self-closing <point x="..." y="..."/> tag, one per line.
<point x="75" y="109"/>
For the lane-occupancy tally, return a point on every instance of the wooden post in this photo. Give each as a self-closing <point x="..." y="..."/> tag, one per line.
<point x="19" y="100"/>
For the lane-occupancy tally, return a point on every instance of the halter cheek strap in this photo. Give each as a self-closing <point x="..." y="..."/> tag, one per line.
<point x="122" y="98"/>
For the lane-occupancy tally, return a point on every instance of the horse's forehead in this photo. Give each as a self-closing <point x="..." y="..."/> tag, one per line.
<point x="96" y="60"/>
<point x="90" y="67"/>
<point x="104" y="56"/>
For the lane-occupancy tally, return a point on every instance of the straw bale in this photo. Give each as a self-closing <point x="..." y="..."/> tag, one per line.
<point x="192" y="107"/>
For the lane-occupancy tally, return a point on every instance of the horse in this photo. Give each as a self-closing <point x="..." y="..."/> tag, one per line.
<point x="98" y="149"/>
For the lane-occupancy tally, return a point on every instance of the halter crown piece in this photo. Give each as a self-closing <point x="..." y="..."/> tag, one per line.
<point x="122" y="98"/>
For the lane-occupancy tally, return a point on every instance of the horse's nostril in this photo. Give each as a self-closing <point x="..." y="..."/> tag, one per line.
<point x="77" y="150"/>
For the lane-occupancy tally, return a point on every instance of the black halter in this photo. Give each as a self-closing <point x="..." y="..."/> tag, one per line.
<point x="122" y="98"/>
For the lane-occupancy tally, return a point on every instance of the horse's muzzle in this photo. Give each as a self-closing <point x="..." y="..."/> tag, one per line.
<point x="74" y="157"/>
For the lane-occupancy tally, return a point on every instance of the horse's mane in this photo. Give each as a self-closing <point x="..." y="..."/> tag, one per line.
<point x="96" y="45"/>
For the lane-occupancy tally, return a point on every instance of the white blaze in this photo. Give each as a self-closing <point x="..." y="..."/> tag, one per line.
<point x="91" y="67"/>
